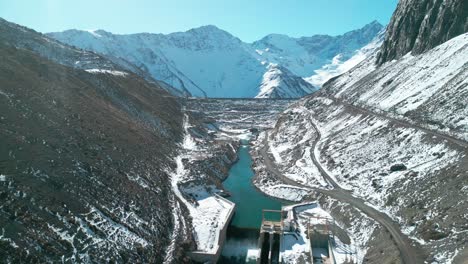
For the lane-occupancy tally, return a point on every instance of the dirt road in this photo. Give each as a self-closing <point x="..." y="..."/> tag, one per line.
<point x="404" y="123"/>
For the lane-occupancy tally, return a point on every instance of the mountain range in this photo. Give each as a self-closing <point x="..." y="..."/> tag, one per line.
<point x="210" y="62"/>
<point x="100" y="163"/>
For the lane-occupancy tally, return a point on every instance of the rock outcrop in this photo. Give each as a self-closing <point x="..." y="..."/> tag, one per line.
<point x="419" y="25"/>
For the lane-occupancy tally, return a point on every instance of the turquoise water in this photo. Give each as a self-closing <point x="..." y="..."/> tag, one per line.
<point x="242" y="235"/>
<point x="249" y="201"/>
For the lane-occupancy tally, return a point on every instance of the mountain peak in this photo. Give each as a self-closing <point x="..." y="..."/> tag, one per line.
<point x="279" y="82"/>
<point x="206" y="32"/>
<point x="374" y="23"/>
<point x="209" y="29"/>
<point x="276" y="36"/>
<point x="98" y="33"/>
<point x="101" y="32"/>
<point x="205" y="37"/>
<point x="373" y="27"/>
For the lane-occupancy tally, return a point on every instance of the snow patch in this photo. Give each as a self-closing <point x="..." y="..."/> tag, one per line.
<point x="116" y="73"/>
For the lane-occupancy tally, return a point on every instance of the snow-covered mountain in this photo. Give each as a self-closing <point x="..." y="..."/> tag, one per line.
<point x="429" y="88"/>
<point x="304" y="55"/>
<point x="208" y="61"/>
<point x="279" y="82"/>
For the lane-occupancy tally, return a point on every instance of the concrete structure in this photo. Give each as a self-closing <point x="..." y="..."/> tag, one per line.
<point x="213" y="256"/>
<point x="305" y="236"/>
<point x="320" y="239"/>
<point x="271" y="233"/>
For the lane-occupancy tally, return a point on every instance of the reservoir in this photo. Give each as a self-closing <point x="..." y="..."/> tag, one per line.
<point x="242" y="234"/>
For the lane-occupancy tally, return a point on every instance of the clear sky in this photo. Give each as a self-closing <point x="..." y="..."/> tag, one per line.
<point x="249" y="20"/>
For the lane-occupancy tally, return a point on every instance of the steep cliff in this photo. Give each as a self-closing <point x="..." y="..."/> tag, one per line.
<point x="417" y="26"/>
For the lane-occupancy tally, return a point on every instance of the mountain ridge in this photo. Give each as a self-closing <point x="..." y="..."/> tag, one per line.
<point x="215" y="27"/>
<point x="210" y="62"/>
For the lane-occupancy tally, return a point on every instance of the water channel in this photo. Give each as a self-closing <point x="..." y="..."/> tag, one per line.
<point x="242" y="234"/>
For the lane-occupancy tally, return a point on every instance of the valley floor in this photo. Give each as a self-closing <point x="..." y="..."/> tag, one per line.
<point x="366" y="171"/>
<point x="212" y="132"/>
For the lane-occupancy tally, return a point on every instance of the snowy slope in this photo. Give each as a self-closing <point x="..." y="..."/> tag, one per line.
<point x="359" y="151"/>
<point x="208" y="61"/>
<point x="431" y="87"/>
<point x="340" y="65"/>
<point x="279" y="82"/>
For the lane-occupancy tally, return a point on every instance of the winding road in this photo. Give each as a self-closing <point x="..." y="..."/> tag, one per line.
<point x="409" y="254"/>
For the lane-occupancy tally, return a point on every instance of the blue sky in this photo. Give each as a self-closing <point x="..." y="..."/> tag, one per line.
<point x="247" y="19"/>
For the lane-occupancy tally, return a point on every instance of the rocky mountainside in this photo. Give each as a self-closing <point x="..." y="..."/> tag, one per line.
<point x="391" y="137"/>
<point x="25" y="38"/>
<point x="208" y="61"/>
<point x="429" y="89"/>
<point x="84" y="158"/>
<point x="304" y="55"/>
<point x="418" y="26"/>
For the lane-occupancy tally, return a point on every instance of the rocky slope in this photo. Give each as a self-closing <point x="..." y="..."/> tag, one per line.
<point x="207" y="61"/>
<point x="429" y="89"/>
<point x="84" y="159"/>
<point x="25" y="38"/>
<point x="51" y="49"/>
<point x="417" y="26"/>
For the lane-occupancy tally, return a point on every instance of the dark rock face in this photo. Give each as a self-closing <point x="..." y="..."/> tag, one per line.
<point x="419" y="25"/>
